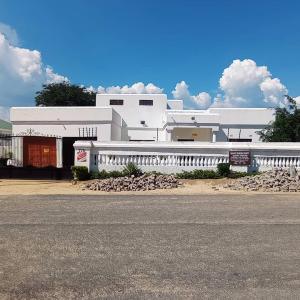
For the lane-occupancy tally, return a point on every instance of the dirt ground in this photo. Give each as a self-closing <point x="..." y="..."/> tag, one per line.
<point x="65" y="187"/>
<point x="52" y="187"/>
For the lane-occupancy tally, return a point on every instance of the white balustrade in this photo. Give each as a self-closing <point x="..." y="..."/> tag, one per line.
<point x="161" y="161"/>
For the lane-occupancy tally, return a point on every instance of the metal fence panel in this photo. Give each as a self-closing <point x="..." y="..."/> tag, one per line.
<point x="5" y="146"/>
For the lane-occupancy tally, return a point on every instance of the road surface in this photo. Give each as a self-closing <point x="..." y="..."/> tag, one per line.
<point x="150" y="247"/>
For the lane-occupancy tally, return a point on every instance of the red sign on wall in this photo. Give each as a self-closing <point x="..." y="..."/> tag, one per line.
<point x="81" y="155"/>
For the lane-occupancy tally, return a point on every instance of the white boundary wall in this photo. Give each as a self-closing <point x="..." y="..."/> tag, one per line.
<point x="175" y="157"/>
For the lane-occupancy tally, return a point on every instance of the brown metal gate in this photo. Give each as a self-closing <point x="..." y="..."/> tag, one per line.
<point x="39" y="151"/>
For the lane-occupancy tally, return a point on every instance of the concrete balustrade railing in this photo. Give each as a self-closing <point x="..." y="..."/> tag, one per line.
<point x="160" y="160"/>
<point x="178" y="156"/>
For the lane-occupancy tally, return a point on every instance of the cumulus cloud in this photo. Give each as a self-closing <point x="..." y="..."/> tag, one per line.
<point x="242" y="84"/>
<point x="136" y="88"/>
<point x="22" y="71"/>
<point x="10" y="34"/>
<point x="245" y="84"/>
<point x="52" y="77"/>
<point x="297" y="99"/>
<point x="181" y="91"/>
<point x="274" y="91"/>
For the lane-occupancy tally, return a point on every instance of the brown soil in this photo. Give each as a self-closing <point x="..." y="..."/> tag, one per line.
<point x="50" y="187"/>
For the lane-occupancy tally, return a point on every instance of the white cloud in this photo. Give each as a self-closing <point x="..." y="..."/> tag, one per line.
<point x="274" y="91"/>
<point x="203" y="99"/>
<point x="10" y="34"/>
<point x="22" y="73"/>
<point x="244" y="84"/>
<point x="181" y="91"/>
<point x="297" y="99"/>
<point x="136" y="88"/>
<point x="52" y="77"/>
<point x="219" y="101"/>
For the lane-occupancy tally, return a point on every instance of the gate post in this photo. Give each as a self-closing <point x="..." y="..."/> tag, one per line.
<point x="59" y="153"/>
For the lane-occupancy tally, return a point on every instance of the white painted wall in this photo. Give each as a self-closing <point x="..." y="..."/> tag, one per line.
<point x="175" y="104"/>
<point x="55" y="114"/>
<point x="132" y="113"/>
<point x="234" y="123"/>
<point x="124" y="122"/>
<point x="67" y="122"/>
<point x="244" y="116"/>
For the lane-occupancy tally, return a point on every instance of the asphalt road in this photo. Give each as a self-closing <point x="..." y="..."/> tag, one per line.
<point x="151" y="247"/>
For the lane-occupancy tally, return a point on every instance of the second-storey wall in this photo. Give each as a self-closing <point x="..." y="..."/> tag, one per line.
<point x="139" y="122"/>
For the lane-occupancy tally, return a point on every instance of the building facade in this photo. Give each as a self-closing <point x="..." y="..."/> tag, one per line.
<point x="135" y="118"/>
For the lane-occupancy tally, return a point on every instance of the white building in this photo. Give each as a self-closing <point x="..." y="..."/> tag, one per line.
<point x="136" y="117"/>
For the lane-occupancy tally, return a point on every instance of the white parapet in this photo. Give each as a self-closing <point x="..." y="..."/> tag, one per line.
<point x="175" y="157"/>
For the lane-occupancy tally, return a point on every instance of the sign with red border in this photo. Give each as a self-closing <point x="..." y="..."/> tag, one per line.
<point x="81" y="155"/>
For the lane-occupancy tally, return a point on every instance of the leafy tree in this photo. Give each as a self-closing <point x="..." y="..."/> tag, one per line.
<point x="286" y="126"/>
<point x="64" y="94"/>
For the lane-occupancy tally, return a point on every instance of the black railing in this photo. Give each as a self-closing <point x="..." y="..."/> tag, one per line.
<point x="5" y="146"/>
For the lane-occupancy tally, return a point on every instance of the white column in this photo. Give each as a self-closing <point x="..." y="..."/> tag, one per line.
<point x="59" y="162"/>
<point x="214" y="137"/>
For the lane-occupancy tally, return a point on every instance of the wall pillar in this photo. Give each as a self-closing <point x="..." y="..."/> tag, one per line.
<point x="83" y="154"/>
<point x="214" y="137"/>
<point x="59" y="162"/>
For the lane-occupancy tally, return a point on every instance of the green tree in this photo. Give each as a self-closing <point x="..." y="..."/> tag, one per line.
<point x="64" y="94"/>
<point x="286" y="126"/>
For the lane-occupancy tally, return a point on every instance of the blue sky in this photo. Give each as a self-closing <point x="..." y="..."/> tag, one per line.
<point x="119" y="42"/>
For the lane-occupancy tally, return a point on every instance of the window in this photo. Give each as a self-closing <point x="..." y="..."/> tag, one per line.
<point x="240" y="140"/>
<point x="146" y="102"/>
<point x="141" y="140"/>
<point x="116" y="102"/>
<point x="185" y="140"/>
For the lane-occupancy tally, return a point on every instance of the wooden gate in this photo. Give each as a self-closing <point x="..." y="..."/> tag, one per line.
<point x="39" y="151"/>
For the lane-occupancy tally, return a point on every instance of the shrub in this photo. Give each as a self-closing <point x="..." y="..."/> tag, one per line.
<point x="223" y="169"/>
<point x="104" y="174"/>
<point x="3" y="162"/>
<point x="80" y="173"/>
<point x="198" y="174"/>
<point x="154" y="173"/>
<point x="115" y="174"/>
<point x="235" y="175"/>
<point x="132" y="169"/>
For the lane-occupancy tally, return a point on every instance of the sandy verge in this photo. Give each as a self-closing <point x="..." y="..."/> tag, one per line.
<point x="51" y="187"/>
<point x="64" y="187"/>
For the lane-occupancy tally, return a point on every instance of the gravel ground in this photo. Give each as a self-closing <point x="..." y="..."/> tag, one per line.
<point x="150" y="247"/>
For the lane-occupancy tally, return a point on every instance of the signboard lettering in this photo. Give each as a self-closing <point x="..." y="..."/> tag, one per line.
<point x="239" y="158"/>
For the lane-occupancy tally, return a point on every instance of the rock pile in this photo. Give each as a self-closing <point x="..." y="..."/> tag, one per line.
<point x="277" y="180"/>
<point x="141" y="183"/>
